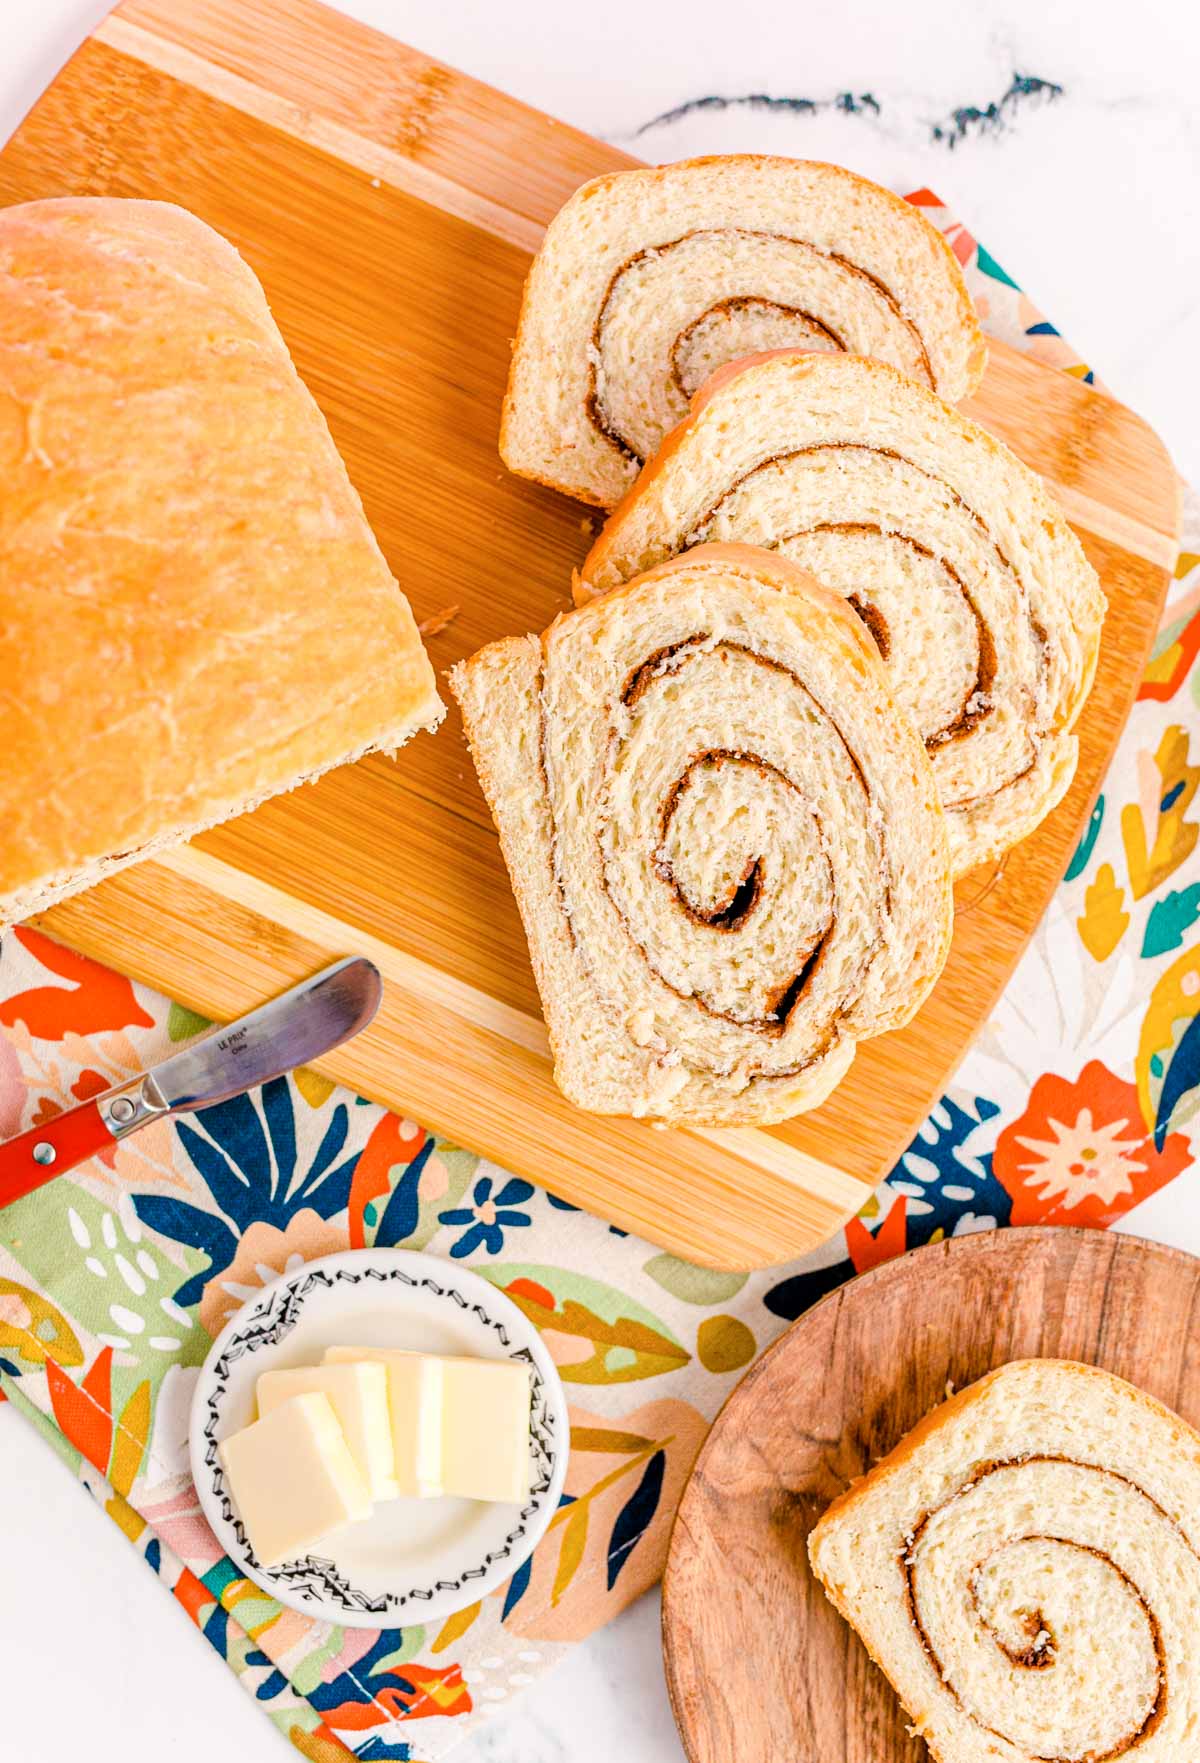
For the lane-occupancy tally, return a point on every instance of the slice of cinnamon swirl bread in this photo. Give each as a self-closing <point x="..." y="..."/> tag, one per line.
<point x="1025" y="1567"/>
<point x="952" y="553"/>
<point x="726" y="845"/>
<point x="649" y="280"/>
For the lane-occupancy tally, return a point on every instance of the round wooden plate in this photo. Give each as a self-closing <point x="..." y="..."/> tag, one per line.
<point x="760" y="1667"/>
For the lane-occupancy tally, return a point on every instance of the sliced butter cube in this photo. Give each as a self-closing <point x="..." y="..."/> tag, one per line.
<point x="293" y="1479"/>
<point x="358" y="1395"/>
<point x="485" y="1429"/>
<point x="415" y="1401"/>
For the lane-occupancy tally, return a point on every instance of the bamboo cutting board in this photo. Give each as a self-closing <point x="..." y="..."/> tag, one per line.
<point x="389" y="206"/>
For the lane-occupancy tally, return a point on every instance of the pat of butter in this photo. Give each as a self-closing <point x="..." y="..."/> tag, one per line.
<point x="459" y="1425"/>
<point x="415" y="1400"/>
<point x="358" y="1395"/>
<point x="293" y="1479"/>
<point x="485" y="1429"/>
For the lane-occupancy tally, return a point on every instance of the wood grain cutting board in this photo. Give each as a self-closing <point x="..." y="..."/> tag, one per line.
<point x="760" y="1667"/>
<point x="390" y="205"/>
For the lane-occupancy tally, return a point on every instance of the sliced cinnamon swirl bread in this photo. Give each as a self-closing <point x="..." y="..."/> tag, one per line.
<point x="726" y="846"/>
<point x="1025" y="1567"/>
<point x="951" y="552"/>
<point x="649" y="280"/>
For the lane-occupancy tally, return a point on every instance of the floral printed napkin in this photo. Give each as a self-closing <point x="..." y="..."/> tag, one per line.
<point x="1076" y="1106"/>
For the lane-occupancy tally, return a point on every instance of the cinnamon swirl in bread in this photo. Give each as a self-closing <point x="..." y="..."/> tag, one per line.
<point x="648" y="280"/>
<point x="951" y="552"/>
<point x="726" y="846"/>
<point x="1025" y="1567"/>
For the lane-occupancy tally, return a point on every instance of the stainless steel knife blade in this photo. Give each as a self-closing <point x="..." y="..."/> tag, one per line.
<point x="293" y="1029"/>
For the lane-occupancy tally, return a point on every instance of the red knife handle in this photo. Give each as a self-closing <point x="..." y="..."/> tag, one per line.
<point x="45" y="1151"/>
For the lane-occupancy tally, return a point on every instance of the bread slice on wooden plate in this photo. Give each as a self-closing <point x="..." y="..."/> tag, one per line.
<point x="1025" y="1567"/>
<point x="726" y="845"/>
<point x="950" y="551"/>
<point x="194" y="613"/>
<point x="647" y="281"/>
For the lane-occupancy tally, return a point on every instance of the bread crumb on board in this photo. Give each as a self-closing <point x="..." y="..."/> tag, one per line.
<point x="436" y="623"/>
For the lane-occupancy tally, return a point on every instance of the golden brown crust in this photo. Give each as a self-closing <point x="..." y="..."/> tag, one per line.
<point x="967" y="314"/>
<point x="897" y="1461"/>
<point x="902" y="207"/>
<point x="493" y="790"/>
<point x="782" y="573"/>
<point x="905" y="213"/>
<point x="949" y="1410"/>
<point x="202" y="615"/>
<point x="608" y="540"/>
<point x="834" y="400"/>
<point x="598" y="1064"/>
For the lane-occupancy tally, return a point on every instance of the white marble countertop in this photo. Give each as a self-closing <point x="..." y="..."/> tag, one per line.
<point x="1072" y="149"/>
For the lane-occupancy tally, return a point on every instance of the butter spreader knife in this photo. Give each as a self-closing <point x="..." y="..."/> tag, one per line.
<point x="293" y="1029"/>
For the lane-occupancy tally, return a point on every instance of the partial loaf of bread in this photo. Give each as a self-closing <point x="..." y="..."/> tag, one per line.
<point x="1025" y="1567"/>
<point x="647" y="281"/>
<point x="952" y="553"/>
<point x="726" y="846"/>
<point x="194" y="613"/>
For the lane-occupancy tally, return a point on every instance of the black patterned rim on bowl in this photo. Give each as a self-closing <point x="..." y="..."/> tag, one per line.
<point x="312" y="1580"/>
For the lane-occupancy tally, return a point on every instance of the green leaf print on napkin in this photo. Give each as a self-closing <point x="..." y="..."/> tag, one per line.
<point x="692" y="1284"/>
<point x="110" y="1281"/>
<point x="183" y="1024"/>
<point x="595" y="1334"/>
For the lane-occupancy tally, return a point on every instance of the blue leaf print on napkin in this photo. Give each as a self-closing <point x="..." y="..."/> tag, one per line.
<point x="244" y="1151"/>
<point x="635" y="1516"/>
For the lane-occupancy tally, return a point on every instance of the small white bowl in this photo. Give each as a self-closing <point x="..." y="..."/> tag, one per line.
<point x="412" y="1560"/>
